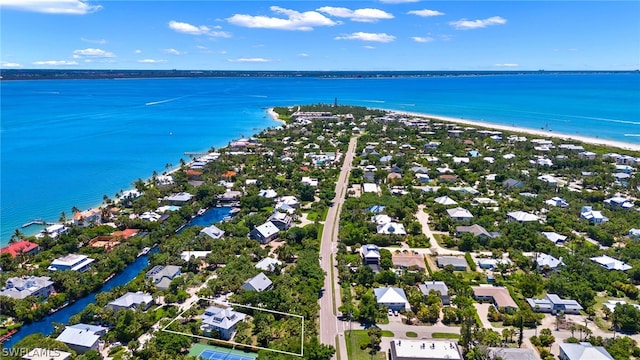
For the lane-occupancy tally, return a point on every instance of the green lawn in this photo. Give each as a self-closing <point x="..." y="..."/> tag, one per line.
<point x="411" y="334"/>
<point x="439" y="335"/>
<point x="354" y="339"/>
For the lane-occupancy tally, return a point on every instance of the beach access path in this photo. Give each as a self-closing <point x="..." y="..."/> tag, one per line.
<point x="330" y="301"/>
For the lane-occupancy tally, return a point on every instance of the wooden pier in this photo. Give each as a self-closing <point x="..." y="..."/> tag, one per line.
<point x="37" y="222"/>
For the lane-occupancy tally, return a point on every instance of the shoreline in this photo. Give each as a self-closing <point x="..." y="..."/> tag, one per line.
<point x="522" y="130"/>
<point x="274" y="115"/>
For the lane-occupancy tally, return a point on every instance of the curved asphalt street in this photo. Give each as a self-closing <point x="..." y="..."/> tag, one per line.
<point x="329" y="327"/>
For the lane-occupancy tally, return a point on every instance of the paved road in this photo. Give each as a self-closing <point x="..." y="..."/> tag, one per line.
<point x="329" y="326"/>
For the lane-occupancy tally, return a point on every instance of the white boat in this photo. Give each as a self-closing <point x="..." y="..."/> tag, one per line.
<point x="144" y="251"/>
<point x="202" y="211"/>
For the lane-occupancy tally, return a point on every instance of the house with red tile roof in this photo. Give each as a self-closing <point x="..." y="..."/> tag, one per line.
<point x="21" y="247"/>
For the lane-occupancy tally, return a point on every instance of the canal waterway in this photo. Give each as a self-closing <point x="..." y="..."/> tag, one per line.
<point x="62" y="316"/>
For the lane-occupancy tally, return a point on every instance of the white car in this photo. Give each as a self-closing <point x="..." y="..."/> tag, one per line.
<point x="390" y="312"/>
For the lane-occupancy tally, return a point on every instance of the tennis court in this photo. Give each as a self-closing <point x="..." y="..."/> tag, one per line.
<point x="209" y="354"/>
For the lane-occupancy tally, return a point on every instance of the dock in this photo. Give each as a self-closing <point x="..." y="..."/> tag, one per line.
<point x="37" y="222"/>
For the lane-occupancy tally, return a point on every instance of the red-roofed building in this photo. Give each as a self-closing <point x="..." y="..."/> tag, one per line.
<point x="126" y="233"/>
<point x="229" y="174"/>
<point x="194" y="174"/>
<point x="21" y="247"/>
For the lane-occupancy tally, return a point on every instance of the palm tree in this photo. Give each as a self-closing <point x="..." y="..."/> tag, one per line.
<point x="63" y="217"/>
<point x="75" y="209"/>
<point x="17" y="235"/>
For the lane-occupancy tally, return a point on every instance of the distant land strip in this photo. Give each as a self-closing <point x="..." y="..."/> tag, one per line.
<point x="48" y="74"/>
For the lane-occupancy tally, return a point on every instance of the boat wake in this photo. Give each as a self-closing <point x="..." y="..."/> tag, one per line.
<point x="636" y="135"/>
<point x="162" y="101"/>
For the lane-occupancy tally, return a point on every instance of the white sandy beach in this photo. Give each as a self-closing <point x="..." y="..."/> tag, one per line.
<point x="274" y="115"/>
<point x="527" y="131"/>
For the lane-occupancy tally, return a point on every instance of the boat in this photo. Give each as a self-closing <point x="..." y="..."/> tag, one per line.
<point x="144" y="251"/>
<point x="202" y="211"/>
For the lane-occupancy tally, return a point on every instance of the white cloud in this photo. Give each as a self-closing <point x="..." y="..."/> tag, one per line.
<point x="360" y="15"/>
<point x="137" y="51"/>
<point x="369" y="47"/>
<point x="91" y="52"/>
<point x="376" y="37"/>
<point x="464" y="24"/>
<point x="422" y="39"/>
<point x="152" y="61"/>
<point x="398" y="1"/>
<point x="506" y="65"/>
<point x="55" y="63"/>
<point x="252" y="60"/>
<point x="99" y="41"/>
<point x="69" y="7"/>
<point x="173" y="52"/>
<point x="295" y="20"/>
<point x="186" y="28"/>
<point x="5" y="64"/>
<point x="303" y="55"/>
<point x="425" y="12"/>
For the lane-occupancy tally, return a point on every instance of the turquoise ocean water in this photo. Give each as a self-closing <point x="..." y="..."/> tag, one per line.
<point x="67" y="143"/>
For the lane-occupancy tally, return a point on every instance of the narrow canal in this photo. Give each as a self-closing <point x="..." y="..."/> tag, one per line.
<point x="45" y="325"/>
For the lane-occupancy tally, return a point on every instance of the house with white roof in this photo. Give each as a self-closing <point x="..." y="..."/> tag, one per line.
<point x="82" y="337"/>
<point x="46" y="354"/>
<point x="258" y="283"/>
<point x="610" y="263"/>
<point x="264" y="233"/>
<point x="268" y="193"/>
<point x="370" y="188"/>
<point x="53" y="231"/>
<point x="381" y="219"/>
<point x="306" y="180"/>
<point x="179" y="199"/>
<point x="593" y="216"/>
<point x="460" y="214"/>
<point x="438" y="286"/>
<point x="553" y="304"/>
<point x="132" y="300"/>
<point x="634" y="234"/>
<point x="392" y="297"/>
<point x="445" y="201"/>
<point x="186" y="255"/>
<point x="73" y="262"/>
<point x="290" y="201"/>
<point x="22" y="287"/>
<point x="213" y="232"/>
<point x="392" y="228"/>
<point x="161" y="275"/>
<point x="222" y="321"/>
<point x="425" y="350"/>
<point x="150" y="216"/>
<point x="557" y="201"/>
<point x="549" y="179"/>
<point x="546" y="261"/>
<point x="583" y="351"/>
<point x="522" y="217"/>
<point x="619" y="202"/>
<point x="554" y="237"/>
<point x="268" y="264"/>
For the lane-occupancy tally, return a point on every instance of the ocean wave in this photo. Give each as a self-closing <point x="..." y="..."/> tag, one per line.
<point x="374" y="101"/>
<point x="638" y="135"/>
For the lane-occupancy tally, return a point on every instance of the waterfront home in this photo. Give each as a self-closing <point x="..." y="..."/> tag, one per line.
<point x="554" y="237"/>
<point x="593" y="216"/>
<point x="161" y="275"/>
<point x="22" y="287"/>
<point x="583" y="351"/>
<point x="213" y="232"/>
<point x="424" y="350"/>
<point x="610" y="263"/>
<point x="392" y="297"/>
<point x="459" y="264"/>
<point x="438" y="286"/>
<point x="553" y="304"/>
<point x="392" y="228"/>
<point x="73" y="262"/>
<point x="230" y="196"/>
<point x="258" y="283"/>
<point x="162" y="181"/>
<point x="499" y="296"/>
<point x="445" y="201"/>
<point x="179" y="199"/>
<point x="53" y="231"/>
<point x="265" y="232"/>
<point x="460" y="214"/>
<point x="521" y="217"/>
<point x="150" y="216"/>
<point x="132" y="300"/>
<point x="21" y="247"/>
<point x="222" y="321"/>
<point x="268" y="264"/>
<point x="87" y="217"/>
<point x="82" y="337"/>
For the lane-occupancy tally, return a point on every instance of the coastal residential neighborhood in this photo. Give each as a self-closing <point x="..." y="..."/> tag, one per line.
<point x="347" y="233"/>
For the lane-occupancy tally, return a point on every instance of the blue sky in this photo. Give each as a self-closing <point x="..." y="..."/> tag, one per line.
<point x="320" y="35"/>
